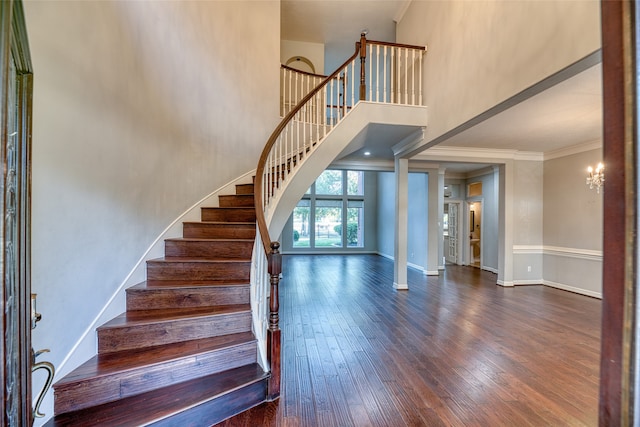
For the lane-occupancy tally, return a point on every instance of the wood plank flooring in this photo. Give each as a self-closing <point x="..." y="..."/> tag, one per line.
<point x="452" y="350"/>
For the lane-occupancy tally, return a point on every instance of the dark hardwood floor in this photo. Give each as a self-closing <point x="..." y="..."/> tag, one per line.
<point x="452" y="350"/>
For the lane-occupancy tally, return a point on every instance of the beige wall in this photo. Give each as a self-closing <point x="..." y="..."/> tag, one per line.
<point x="314" y="52"/>
<point x="572" y="212"/>
<point x="572" y="231"/>
<point x="481" y="53"/>
<point x="140" y="110"/>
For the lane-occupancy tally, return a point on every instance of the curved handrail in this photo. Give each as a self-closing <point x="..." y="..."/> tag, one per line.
<point x="395" y="76"/>
<point x="306" y="73"/>
<point x="259" y="182"/>
<point x="294" y="85"/>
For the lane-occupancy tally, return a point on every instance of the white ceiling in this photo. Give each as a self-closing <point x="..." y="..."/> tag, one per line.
<point x="567" y="114"/>
<point x="339" y="22"/>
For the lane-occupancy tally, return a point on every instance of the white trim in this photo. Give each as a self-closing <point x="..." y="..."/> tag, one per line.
<point x="416" y="266"/>
<point x="410" y="140"/>
<point x="490" y="269"/>
<point x="142" y="264"/>
<point x="384" y="255"/>
<point x="376" y="165"/>
<point x="457" y="153"/>
<point x="574" y="149"/>
<point x="507" y="284"/>
<point x="400" y="286"/>
<point x="528" y="249"/>
<point x="572" y="289"/>
<point x="586" y="254"/>
<point x="527" y="282"/>
<point x="532" y="156"/>
<point x="431" y="273"/>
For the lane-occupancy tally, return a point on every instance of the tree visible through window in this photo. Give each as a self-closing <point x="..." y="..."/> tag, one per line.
<point x="336" y="199"/>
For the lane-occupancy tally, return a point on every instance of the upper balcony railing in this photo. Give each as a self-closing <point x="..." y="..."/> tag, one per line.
<point x="384" y="73"/>
<point x="295" y="85"/>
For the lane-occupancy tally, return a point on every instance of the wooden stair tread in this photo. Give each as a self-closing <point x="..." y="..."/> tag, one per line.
<point x="159" y="404"/>
<point x="248" y="208"/>
<point x="203" y="239"/>
<point x="175" y="284"/>
<point x="198" y="260"/>
<point x="127" y="360"/>
<point x="189" y="283"/>
<point x="229" y="223"/>
<point x="142" y="317"/>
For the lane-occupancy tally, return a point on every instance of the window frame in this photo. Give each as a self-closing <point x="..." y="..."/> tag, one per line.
<point x="344" y="199"/>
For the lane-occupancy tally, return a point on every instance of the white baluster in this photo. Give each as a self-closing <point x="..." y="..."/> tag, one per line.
<point x="324" y="102"/>
<point x="393" y="81"/>
<point x="406" y="76"/>
<point x="318" y="99"/>
<point x="370" y="78"/>
<point x="290" y="97"/>
<point x="377" y="73"/>
<point x="413" y="77"/>
<point x="331" y="103"/>
<point x="420" y="57"/>
<point x="304" y="138"/>
<point x="384" y="78"/>
<point x="353" y="82"/>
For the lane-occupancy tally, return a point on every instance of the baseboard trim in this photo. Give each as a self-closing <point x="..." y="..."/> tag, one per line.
<point x="416" y="266"/>
<point x="573" y="289"/>
<point x="527" y="282"/>
<point x="508" y="284"/>
<point x="400" y="286"/>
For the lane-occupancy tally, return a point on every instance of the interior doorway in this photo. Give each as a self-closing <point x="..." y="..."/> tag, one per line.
<point x="475" y="233"/>
<point x="452" y="232"/>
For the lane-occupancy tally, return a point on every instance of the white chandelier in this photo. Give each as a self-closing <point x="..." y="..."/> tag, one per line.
<point x="596" y="178"/>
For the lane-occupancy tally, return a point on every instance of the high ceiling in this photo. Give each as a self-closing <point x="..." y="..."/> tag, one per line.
<point x="339" y="22"/>
<point x="566" y="114"/>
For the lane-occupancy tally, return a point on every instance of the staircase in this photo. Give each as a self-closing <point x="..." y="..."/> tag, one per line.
<point x="183" y="353"/>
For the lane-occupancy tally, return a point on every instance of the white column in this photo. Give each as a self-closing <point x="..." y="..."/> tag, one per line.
<point x="434" y="236"/>
<point x="505" y="227"/>
<point x="401" y="218"/>
<point x="440" y="217"/>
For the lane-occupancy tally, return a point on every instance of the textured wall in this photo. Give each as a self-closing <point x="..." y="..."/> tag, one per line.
<point x="140" y="110"/>
<point x="480" y="53"/>
<point x="572" y="227"/>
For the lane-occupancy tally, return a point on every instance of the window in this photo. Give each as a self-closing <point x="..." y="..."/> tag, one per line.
<point x="301" y="224"/>
<point x="331" y="213"/>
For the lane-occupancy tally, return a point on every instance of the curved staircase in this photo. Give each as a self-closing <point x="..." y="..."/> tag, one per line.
<point x="183" y="353"/>
<point x="186" y="350"/>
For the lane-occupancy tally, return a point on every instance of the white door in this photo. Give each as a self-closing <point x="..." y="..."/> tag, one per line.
<point x="453" y="232"/>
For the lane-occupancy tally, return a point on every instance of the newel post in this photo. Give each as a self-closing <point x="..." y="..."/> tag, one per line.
<point x="273" y="333"/>
<point x="363" y="58"/>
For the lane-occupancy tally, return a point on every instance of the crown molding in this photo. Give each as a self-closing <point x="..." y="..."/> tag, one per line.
<point x="574" y="149"/>
<point x="489" y="155"/>
<point x="410" y="140"/>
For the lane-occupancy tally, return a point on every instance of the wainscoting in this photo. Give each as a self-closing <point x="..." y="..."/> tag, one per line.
<point x="571" y="269"/>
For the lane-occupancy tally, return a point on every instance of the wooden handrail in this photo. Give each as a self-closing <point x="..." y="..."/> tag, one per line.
<point x="261" y="221"/>
<point x="306" y="73"/>
<point x="286" y="159"/>
<point x="405" y="46"/>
